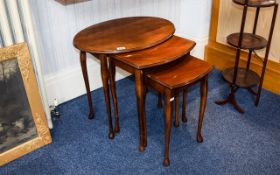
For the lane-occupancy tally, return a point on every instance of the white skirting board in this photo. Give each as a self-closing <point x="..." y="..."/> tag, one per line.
<point x="69" y="84"/>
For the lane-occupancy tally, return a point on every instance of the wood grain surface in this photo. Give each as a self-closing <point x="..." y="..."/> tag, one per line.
<point x="124" y="35"/>
<point x="249" y="41"/>
<point x="166" y="52"/>
<point x="189" y="70"/>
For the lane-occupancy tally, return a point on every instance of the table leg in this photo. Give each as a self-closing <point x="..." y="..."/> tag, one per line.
<point x="203" y="101"/>
<point x="184" y="107"/>
<point x="168" y="114"/>
<point x="176" y="122"/>
<point x="159" y="104"/>
<point x="144" y="116"/>
<point x="104" y="75"/>
<point x="112" y="76"/>
<point x="140" y="90"/>
<point x="83" y="61"/>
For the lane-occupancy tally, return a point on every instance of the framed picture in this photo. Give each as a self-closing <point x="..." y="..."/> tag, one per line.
<point x="23" y="124"/>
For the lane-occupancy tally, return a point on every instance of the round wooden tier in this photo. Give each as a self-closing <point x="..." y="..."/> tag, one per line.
<point x="245" y="78"/>
<point x="256" y="3"/>
<point x="249" y="41"/>
<point x="124" y="35"/>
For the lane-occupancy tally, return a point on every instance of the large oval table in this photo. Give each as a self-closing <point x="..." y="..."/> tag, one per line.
<point x="119" y="36"/>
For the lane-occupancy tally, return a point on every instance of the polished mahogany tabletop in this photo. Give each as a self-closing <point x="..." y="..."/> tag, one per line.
<point x="177" y="75"/>
<point x="174" y="48"/>
<point x="124" y="35"/>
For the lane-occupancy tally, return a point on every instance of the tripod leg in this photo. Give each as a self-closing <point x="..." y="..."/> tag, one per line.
<point x="231" y="99"/>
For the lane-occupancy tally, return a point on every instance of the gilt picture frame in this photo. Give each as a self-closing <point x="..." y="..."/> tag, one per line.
<point x="23" y="124"/>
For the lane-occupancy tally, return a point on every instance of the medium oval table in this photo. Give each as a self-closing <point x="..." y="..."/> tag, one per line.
<point x="139" y="62"/>
<point x="119" y="36"/>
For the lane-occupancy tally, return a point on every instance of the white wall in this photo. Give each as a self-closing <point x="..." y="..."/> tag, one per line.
<point x="195" y="22"/>
<point x="57" y="24"/>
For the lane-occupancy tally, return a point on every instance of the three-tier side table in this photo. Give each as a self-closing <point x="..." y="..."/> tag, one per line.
<point x="239" y="77"/>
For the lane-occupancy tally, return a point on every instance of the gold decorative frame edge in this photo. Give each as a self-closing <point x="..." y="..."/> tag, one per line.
<point x="21" y="53"/>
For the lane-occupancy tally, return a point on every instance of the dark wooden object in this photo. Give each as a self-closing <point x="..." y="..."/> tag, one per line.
<point x="256" y="3"/>
<point x="118" y="36"/>
<point x="137" y="62"/>
<point x="170" y="80"/>
<point x="184" y="105"/>
<point x="83" y="61"/>
<point x="246" y="78"/>
<point x="67" y="2"/>
<point x="249" y="41"/>
<point x="159" y="101"/>
<point x="184" y="108"/>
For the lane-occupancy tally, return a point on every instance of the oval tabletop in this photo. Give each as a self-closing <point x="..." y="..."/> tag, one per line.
<point x="168" y="51"/>
<point x="124" y="35"/>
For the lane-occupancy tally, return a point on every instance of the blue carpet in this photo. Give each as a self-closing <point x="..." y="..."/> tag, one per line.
<point x="233" y="143"/>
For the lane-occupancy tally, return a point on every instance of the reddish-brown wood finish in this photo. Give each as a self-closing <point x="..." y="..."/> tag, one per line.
<point x="184" y="107"/>
<point x="194" y="70"/>
<point x="176" y="122"/>
<point x="137" y="62"/>
<point x="166" y="52"/>
<point x="139" y="89"/>
<point x="168" y="118"/>
<point x="112" y="76"/>
<point x="105" y="77"/>
<point x="191" y="70"/>
<point x="83" y="61"/>
<point x="124" y="35"/>
<point x="119" y="36"/>
<point x="203" y="101"/>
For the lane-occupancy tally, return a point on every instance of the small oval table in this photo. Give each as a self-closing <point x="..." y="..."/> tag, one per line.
<point x="118" y="36"/>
